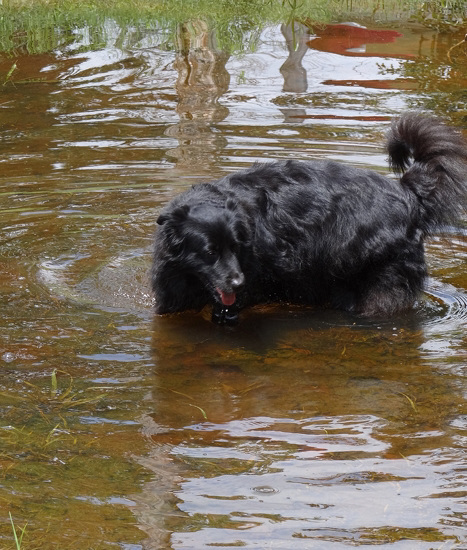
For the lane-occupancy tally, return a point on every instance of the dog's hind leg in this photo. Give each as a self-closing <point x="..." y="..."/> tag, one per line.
<point x="393" y="288"/>
<point x="378" y="301"/>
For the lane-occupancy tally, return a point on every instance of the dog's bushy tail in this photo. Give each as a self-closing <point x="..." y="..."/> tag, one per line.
<point x="433" y="159"/>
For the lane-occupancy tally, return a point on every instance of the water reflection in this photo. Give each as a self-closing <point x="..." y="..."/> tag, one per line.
<point x="298" y="428"/>
<point x="293" y="422"/>
<point x="296" y="36"/>
<point x="353" y="39"/>
<point x="202" y="80"/>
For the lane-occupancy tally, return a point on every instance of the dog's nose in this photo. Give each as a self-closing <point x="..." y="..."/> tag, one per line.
<point x="237" y="281"/>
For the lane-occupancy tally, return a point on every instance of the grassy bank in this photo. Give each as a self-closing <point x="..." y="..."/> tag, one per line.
<point x="42" y="25"/>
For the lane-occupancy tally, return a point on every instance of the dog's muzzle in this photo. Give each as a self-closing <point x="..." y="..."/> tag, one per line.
<point x="234" y="283"/>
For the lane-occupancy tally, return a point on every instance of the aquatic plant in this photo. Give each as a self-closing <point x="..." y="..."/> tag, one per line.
<point x="18" y="540"/>
<point x="51" y="402"/>
<point x="9" y="73"/>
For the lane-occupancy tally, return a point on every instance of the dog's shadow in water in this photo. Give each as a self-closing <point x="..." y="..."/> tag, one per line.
<point x="192" y="340"/>
<point x="283" y="361"/>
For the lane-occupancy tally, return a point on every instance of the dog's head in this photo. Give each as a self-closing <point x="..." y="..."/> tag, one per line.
<point x="208" y="241"/>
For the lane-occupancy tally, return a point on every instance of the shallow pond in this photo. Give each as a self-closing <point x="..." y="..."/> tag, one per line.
<point x="299" y="428"/>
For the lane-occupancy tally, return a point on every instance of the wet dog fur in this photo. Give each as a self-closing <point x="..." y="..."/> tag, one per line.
<point x="318" y="233"/>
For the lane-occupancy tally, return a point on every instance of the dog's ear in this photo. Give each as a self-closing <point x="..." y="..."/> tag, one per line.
<point x="177" y="215"/>
<point x="242" y="232"/>
<point x="162" y="219"/>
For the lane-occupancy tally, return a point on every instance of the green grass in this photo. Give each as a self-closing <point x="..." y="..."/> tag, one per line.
<point x="18" y="540"/>
<point x="42" y="25"/>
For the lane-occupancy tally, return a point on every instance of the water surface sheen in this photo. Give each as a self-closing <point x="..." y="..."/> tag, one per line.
<point x="299" y="428"/>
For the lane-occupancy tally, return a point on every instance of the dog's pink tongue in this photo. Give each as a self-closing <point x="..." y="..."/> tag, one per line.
<point x="228" y="298"/>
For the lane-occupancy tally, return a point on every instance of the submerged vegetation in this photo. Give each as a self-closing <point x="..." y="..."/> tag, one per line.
<point x="43" y="25"/>
<point x="21" y="530"/>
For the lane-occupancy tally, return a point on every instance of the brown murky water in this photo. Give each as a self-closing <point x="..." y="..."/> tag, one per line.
<point x="297" y="429"/>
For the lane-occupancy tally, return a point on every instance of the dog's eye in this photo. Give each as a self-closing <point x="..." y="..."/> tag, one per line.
<point x="212" y="251"/>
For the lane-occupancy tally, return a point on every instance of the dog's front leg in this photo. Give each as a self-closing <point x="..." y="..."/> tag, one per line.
<point x="222" y="315"/>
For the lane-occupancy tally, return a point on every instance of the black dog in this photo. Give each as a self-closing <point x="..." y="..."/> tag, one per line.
<point x="312" y="232"/>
